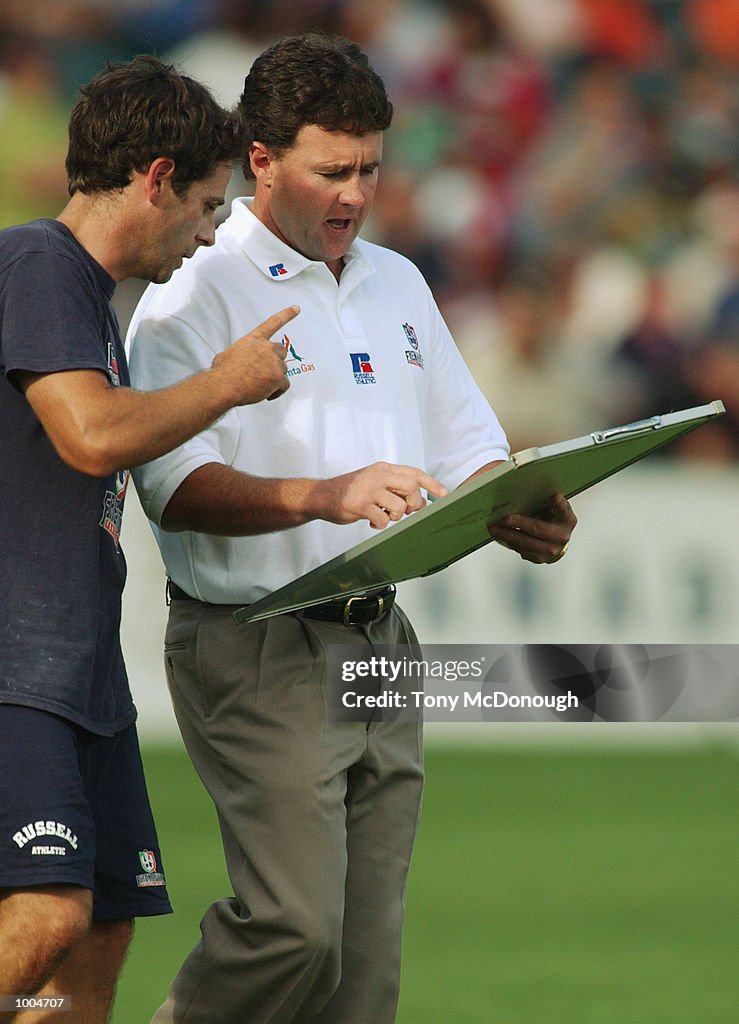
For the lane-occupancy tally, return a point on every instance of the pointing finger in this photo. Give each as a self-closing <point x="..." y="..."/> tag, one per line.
<point x="273" y="323"/>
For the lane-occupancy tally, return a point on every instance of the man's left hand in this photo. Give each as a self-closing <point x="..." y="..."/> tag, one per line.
<point x="541" y="538"/>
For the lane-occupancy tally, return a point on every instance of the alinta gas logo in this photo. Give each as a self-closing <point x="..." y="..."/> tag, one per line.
<point x="293" y="357"/>
<point x="290" y="349"/>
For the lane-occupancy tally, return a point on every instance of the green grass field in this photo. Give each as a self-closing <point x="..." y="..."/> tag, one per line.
<point x="548" y="887"/>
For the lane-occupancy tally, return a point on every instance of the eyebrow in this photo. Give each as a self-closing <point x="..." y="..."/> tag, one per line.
<point x="337" y="165"/>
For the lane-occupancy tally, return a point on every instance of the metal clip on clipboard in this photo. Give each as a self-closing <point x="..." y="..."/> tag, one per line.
<point x="628" y="430"/>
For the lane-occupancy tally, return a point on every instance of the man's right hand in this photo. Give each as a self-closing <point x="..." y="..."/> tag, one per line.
<point x="255" y="365"/>
<point x="381" y="493"/>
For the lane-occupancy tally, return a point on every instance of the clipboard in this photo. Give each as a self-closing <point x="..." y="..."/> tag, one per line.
<point x="452" y="527"/>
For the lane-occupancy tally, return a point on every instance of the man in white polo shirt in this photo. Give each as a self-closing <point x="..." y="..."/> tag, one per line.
<point x="318" y="819"/>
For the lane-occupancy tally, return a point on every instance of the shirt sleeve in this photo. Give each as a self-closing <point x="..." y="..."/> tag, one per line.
<point x="51" y="317"/>
<point x="462" y="431"/>
<point x="164" y="350"/>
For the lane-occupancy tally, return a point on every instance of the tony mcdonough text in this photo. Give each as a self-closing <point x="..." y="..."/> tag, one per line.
<point x="418" y="699"/>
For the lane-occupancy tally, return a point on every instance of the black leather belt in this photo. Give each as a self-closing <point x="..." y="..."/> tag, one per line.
<point x="175" y="593"/>
<point x="358" y="610"/>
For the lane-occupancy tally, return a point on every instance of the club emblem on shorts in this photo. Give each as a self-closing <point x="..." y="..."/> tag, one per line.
<point x="151" y="876"/>
<point x="148" y="861"/>
<point x="362" y="368"/>
<point x="277" y="270"/>
<point x="413" y="355"/>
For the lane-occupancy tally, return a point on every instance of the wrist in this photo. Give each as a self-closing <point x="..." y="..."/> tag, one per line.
<point x="222" y="388"/>
<point x="312" y="499"/>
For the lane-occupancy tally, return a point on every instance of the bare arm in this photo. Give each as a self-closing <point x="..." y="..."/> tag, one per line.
<point x="97" y="428"/>
<point x="217" y="499"/>
<point x="220" y="500"/>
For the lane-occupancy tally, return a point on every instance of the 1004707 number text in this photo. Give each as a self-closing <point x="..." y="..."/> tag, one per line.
<point x="35" y="1003"/>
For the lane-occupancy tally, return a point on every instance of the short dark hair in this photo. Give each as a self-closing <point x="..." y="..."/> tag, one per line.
<point x="310" y="79"/>
<point x="132" y="113"/>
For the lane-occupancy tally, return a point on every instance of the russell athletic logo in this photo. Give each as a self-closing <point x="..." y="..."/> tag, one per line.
<point x="277" y="270"/>
<point x="52" y="832"/>
<point x="362" y="368"/>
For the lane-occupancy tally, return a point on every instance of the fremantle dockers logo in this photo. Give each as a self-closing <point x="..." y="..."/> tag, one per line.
<point x="410" y="333"/>
<point x="148" y="861"/>
<point x="112" y="516"/>
<point x="113" y="368"/>
<point x="151" y="876"/>
<point x="413" y="355"/>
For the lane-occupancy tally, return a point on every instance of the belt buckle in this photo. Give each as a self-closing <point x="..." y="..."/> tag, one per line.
<point x="346" y="619"/>
<point x="347" y="616"/>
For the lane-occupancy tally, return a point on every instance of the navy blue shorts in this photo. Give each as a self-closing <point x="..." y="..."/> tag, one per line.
<point x="74" y="810"/>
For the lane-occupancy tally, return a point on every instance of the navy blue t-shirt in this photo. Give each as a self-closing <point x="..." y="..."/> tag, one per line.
<point x="61" y="567"/>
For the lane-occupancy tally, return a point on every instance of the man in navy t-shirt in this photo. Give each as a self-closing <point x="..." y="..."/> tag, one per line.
<point x="150" y="156"/>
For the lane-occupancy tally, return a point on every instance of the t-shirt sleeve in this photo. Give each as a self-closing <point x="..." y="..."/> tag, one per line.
<point x="50" y="317"/>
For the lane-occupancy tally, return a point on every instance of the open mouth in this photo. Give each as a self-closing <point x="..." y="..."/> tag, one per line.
<point x="339" y="225"/>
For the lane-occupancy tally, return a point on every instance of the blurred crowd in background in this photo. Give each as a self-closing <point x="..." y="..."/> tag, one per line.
<point x="564" y="173"/>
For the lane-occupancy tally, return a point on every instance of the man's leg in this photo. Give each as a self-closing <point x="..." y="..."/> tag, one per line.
<point x="88" y="976"/>
<point x="49" y="948"/>
<point x="38" y="929"/>
<point x="79" y="825"/>
<point x="251" y="705"/>
<point x="383" y="801"/>
<point x="46" y="867"/>
<point x="382" y="807"/>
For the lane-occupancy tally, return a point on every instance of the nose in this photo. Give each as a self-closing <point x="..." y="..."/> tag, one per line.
<point x="207" y="232"/>
<point x="206" y="238"/>
<point x="352" y="194"/>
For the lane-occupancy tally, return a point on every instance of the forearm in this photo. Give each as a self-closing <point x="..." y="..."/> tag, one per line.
<point x="220" y="500"/>
<point x="142" y="425"/>
<point x="98" y="428"/>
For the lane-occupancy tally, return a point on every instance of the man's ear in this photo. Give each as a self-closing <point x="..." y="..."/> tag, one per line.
<point x="260" y="160"/>
<point x="158" y="177"/>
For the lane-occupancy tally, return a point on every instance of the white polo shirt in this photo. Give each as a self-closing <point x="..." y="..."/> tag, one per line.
<point x="374" y="375"/>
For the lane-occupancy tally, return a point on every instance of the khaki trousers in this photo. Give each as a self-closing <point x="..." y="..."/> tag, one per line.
<point x="318" y="821"/>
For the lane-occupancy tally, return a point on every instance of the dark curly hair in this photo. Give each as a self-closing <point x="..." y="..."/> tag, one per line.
<point x="310" y="79"/>
<point x="132" y="113"/>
